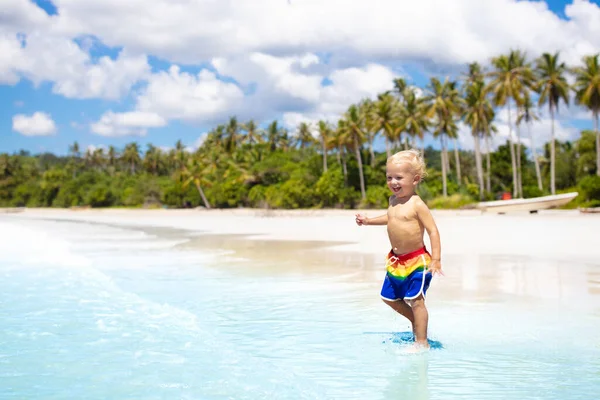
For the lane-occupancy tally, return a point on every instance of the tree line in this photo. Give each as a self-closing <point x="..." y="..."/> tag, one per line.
<point x="334" y="163"/>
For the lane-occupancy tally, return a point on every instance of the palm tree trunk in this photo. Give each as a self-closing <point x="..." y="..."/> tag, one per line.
<point x="489" y="164"/>
<point x="535" y="159"/>
<point x="344" y="166"/>
<point x="372" y="153"/>
<point x="360" y="170"/>
<point x="597" y="143"/>
<point x="512" y="153"/>
<point x="388" y="151"/>
<point x="443" y="155"/>
<point x="519" y="171"/>
<point x="552" y="155"/>
<point x="457" y="160"/>
<point x="478" y="165"/>
<point x="324" y="155"/>
<point x="204" y="199"/>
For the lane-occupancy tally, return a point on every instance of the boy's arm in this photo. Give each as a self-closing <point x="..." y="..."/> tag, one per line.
<point x="426" y="219"/>
<point x="380" y="220"/>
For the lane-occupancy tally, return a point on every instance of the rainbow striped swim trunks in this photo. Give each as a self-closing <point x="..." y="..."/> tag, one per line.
<point x="406" y="277"/>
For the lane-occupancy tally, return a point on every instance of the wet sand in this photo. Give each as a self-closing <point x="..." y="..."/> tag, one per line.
<point x="551" y="256"/>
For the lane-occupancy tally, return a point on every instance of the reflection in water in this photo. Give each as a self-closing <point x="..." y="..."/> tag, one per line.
<point x="410" y="379"/>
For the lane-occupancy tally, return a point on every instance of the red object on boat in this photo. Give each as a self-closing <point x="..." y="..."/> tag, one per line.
<point x="506" y="196"/>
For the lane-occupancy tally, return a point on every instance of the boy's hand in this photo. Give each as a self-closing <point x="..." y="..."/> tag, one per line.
<point x="435" y="267"/>
<point x="361" y="219"/>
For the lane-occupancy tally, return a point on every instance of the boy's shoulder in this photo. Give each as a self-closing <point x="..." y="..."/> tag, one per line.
<point x="418" y="202"/>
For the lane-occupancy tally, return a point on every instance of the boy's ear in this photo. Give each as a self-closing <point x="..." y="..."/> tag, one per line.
<point x="417" y="179"/>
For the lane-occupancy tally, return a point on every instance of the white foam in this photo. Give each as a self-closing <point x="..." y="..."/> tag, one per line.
<point x="26" y="245"/>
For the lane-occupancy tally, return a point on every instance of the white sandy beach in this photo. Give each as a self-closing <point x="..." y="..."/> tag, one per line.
<point x="522" y="254"/>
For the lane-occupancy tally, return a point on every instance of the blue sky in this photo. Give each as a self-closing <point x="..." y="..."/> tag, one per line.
<point x="220" y="75"/>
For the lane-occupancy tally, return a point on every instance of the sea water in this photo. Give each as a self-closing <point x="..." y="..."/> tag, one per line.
<point x="91" y="311"/>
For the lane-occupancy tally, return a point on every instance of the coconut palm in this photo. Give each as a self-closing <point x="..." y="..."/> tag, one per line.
<point x="511" y="77"/>
<point x="232" y="133"/>
<point x="478" y="114"/>
<point x="587" y="93"/>
<point x="152" y="159"/>
<point x="253" y="133"/>
<point x="355" y="128"/>
<point x="196" y="172"/>
<point x="341" y="141"/>
<point x="274" y="135"/>
<point x="385" y="119"/>
<point x="131" y="156"/>
<point x="444" y="108"/>
<point x="527" y="114"/>
<point x="412" y="115"/>
<point x="367" y="110"/>
<point x="325" y="137"/>
<point x="304" y="135"/>
<point x="552" y="87"/>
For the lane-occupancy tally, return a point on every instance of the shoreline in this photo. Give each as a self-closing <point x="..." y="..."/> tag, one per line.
<point x="498" y="258"/>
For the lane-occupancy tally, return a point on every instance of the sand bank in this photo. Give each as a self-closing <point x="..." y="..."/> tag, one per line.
<point x="548" y="234"/>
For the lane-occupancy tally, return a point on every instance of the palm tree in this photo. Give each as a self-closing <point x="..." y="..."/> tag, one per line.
<point x="587" y="93"/>
<point x="75" y="152"/>
<point x="178" y="155"/>
<point x="412" y="115"/>
<point x="152" y="159"/>
<point x="512" y="76"/>
<point x="552" y="87"/>
<point x="478" y="114"/>
<point x="325" y="136"/>
<point x="305" y="137"/>
<point x="355" y="128"/>
<point x="399" y="86"/>
<point x="196" y="172"/>
<point x="97" y="159"/>
<point x="112" y="156"/>
<point x="232" y="131"/>
<point x="274" y="135"/>
<point x="488" y="149"/>
<point x="385" y="119"/>
<point x="340" y="140"/>
<point x="131" y="155"/>
<point x="527" y="114"/>
<point x="444" y="107"/>
<point x="367" y="110"/>
<point x="253" y="133"/>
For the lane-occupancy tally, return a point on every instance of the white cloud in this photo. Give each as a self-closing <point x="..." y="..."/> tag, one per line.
<point x="347" y="87"/>
<point x="180" y="95"/>
<point x="38" y="124"/>
<point x="43" y="57"/>
<point x="456" y="32"/>
<point x="134" y="123"/>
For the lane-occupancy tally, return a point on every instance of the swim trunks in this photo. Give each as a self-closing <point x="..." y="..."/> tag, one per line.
<point x="406" y="276"/>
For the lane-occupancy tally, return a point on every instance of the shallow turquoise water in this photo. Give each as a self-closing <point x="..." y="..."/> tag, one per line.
<point x="97" y="312"/>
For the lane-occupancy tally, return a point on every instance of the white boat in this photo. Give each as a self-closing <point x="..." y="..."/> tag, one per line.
<point x="533" y="204"/>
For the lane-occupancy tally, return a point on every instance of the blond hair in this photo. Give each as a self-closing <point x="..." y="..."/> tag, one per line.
<point x="412" y="157"/>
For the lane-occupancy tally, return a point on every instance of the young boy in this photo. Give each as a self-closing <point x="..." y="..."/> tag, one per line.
<point x="409" y="265"/>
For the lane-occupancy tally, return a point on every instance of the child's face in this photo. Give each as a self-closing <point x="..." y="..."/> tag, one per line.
<point x="401" y="179"/>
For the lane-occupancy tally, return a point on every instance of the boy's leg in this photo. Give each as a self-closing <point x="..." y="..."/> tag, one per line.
<point x="403" y="309"/>
<point x="421" y="319"/>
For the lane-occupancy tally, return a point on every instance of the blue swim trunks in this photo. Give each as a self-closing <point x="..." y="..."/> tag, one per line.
<point x="407" y="276"/>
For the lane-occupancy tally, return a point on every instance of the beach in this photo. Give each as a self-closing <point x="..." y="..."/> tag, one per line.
<point x="299" y="291"/>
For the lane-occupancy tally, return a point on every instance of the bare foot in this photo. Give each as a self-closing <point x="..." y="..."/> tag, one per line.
<point x="418" y="348"/>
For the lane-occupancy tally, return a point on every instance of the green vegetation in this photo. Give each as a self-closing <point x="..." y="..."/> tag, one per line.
<point x="241" y="165"/>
